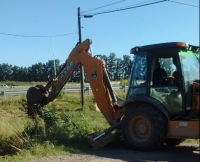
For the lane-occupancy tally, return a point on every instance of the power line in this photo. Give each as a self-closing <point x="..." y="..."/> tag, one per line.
<point x="127" y="8"/>
<point x="184" y="3"/>
<point x="74" y="37"/>
<point x="136" y="4"/>
<point x="103" y="6"/>
<point x="131" y="5"/>
<point x="36" y="36"/>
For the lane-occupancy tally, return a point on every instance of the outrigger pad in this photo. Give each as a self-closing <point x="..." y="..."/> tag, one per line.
<point x="34" y="96"/>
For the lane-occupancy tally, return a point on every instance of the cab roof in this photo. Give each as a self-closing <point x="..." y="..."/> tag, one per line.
<point x="170" y="45"/>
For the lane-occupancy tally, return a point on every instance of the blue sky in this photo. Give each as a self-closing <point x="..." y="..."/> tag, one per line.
<point x="114" y="32"/>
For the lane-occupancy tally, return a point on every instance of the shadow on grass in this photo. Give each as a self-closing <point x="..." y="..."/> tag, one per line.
<point x="120" y="151"/>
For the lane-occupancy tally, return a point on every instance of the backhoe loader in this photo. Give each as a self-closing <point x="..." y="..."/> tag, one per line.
<point x="152" y="114"/>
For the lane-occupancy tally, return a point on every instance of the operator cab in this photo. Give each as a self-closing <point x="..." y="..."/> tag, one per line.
<point x="162" y="75"/>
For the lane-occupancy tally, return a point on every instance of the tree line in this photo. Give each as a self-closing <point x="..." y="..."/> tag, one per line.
<point x="118" y="68"/>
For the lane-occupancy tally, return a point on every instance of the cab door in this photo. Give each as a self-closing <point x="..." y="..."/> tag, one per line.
<point x="168" y="92"/>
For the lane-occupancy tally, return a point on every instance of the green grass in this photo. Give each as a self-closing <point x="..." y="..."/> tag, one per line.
<point x="196" y="141"/>
<point x="16" y="83"/>
<point x="124" y="82"/>
<point x="12" y="118"/>
<point x="70" y="132"/>
<point x="9" y="125"/>
<point x="37" y="151"/>
<point x="65" y="128"/>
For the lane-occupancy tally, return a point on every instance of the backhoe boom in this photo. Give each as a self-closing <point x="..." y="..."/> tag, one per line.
<point x="97" y="76"/>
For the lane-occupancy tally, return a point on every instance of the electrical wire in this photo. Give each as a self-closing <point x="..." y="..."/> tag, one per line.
<point x="103" y="6"/>
<point x="127" y="8"/>
<point x="131" y="5"/>
<point x="35" y="36"/>
<point x="183" y="3"/>
<point x="74" y="38"/>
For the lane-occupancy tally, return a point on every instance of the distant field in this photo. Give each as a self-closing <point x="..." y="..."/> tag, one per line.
<point x="15" y="83"/>
<point x="18" y="85"/>
<point x="25" y="87"/>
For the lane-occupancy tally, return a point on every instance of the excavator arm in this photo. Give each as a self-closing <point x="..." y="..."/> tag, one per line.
<point x="97" y="77"/>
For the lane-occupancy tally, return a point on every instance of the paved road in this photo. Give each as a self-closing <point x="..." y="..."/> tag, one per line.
<point x="18" y="90"/>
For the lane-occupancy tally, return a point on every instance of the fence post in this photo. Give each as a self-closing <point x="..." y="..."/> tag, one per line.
<point x="88" y="89"/>
<point x="124" y="89"/>
<point x="4" y="93"/>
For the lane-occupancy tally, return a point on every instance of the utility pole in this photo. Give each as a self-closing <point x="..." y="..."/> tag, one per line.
<point x="54" y="64"/>
<point x="81" y="68"/>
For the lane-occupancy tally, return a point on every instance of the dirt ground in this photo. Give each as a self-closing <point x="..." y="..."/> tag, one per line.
<point x="181" y="153"/>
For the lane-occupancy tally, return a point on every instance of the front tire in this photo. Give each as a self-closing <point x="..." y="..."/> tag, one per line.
<point x="144" y="128"/>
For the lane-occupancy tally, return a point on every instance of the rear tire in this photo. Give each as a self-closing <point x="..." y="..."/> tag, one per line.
<point x="144" y="128"/>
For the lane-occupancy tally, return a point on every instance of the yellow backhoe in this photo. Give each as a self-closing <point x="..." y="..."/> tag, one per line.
<point x="153" y="113"/>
